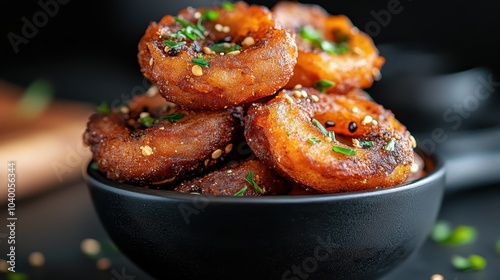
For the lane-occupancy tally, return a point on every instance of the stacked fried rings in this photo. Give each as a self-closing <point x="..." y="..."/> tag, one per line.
<point x="234" y="109"/>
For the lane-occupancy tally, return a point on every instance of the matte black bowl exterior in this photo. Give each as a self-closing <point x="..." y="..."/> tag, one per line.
<point x="359" y="235"/>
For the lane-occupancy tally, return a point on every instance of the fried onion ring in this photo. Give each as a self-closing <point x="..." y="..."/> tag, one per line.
<point x="341" y="53"/>
<point x="290" y="134"/>
<point x="230" y="180"/>
<point x="243" y="56"/>
<point x="154" y="141"/>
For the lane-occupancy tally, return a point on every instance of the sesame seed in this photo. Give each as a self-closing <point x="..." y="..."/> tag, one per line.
<point x="207" y="50"/>
<point x="297" y="93"/>
<point x="166" y="49"/>
<point x="146" y="150"/>
<point x="90" y="246"/>
<point x="288" y="99"/>
<point x="151" y="61"/>
<point x="248" y="41"/>
<point x="124" y="110"/>
<point x="414" y="168"/>
<point x="355" y="143"/>
<point x="197" y="15"/>
<point x="36" y="259"/>
<point x="368" y="119"/>
<point x="374" y="122"/>
<point x="228" y="148"/>
<point x="197" y="71"/>
<point x="161" y="128"/>
<point x="314" y="98"/>
<point x="143" y="115"/>
<point x="226" y="29"/>
<point x="218" y="27"/>
<point x="233" y="53"/>
<point x="437" y="277"/>
<point x="152" y="91"/>
<point x="103" y="264"/>
<point x="355" y="109"/>
<point x="413" y="142"/>
<point x="216" y="154"/>
<point x="304" y="93"/>
<point x="297" y="86"/>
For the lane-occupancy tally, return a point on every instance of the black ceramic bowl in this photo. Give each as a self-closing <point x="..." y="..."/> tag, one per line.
<point x="361" y="235"/>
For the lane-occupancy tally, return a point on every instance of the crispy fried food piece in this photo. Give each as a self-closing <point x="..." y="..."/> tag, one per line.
<point x="157" y="141"/>
<point x="230" y="180"/>
<point x="330" y="48"/>
<point x="243" y="55"/>
<point x="292" y="134"/>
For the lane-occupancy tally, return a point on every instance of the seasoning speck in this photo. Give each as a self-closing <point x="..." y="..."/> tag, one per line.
<point x="352" y="127"/>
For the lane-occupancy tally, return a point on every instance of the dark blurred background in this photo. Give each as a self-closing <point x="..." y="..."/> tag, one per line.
<point x="88" y="49"/>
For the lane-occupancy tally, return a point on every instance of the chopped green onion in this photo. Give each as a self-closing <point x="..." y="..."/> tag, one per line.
<point x="225" y="48"/>
<point x="241" y="192"/>
<point x="147" y="121"/>
<point x="442" y="233"/>
<point x="331" y="134"/>
<point x="473" y="262"/>
<point x="182" y="22"/>
<point x="321" y="128"/>
<point x="210" y="15"/>
<point x="103" y="108"/>
<point x="315" y="38"/>
<point x="228" y="6"/>
<point x="250" y="180"/>
<point x="366" y="144"/>
<point x="390" y="145"/>
<point x="177" y="35"/>
<point x="173" y="44"/>
<point x="288" y="133"/>
<point x="200" y="61"/>
<point x="323" y="85"/>
<point x="172" y="117"/>
<point x="313" y="141"/>
<point x="345" y="151"/>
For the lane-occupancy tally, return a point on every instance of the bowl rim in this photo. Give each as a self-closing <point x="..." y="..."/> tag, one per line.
<point x="95" y="179"/>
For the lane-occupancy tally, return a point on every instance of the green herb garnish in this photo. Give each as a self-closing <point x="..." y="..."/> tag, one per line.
<point x="201" y="61"/>
<point x="147" y="121"/>
<point x="323" y="85"/>
<point x="366" y="144"/>
<point x="313" y="141"/>
<point x="94" y="166"/>
<point x="442" y="233"/>
<point x="103" y="108"/>
<point x="173" y="44"/>
<point x="228" y="6"/>
<point x="210" y="15"/>
<point x="321" y="128"/>
<point x="345" y="151"/>
<point x="189" y="30"/>
<point x="390" y="145"/>
<point x="241" y="192"/>
<point x="250" y="180"/>
<point x="473" y="262"/>
<point x="225" y="48"/>
<point x="315" y="38"/>
<point x="172" y="117"/>
<point x="288" y="133"/>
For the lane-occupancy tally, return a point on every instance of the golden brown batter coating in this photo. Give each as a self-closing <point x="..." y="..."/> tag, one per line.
<point x="241" y="56"/>
<point x="329" y="48"/>
<point x="291" y="134"/>
<point x="157" y="141"/>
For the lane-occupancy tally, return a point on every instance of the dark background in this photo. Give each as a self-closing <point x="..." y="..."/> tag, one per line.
<point x="88" y="49"/>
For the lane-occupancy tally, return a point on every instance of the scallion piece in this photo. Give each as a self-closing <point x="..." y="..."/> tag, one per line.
<point x="173" y="44"/>
<point x="250" y="180"/>
<point x="390" y="145"/>
<point x="241" y="192"/>
<point x="366" y="144"/>
<point x="313" y="141"/>
<point x="201" y="61"/>
<point x="345" y="151"/>
<point x="228" y="6"/>
<point x="473" y="262"/>
<point x="103" y="108"/>
<point x="147" y="121"/>
<point x="172" y="117"/>
<point x="210" y="15"/>
<point x="323" y="85"/>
